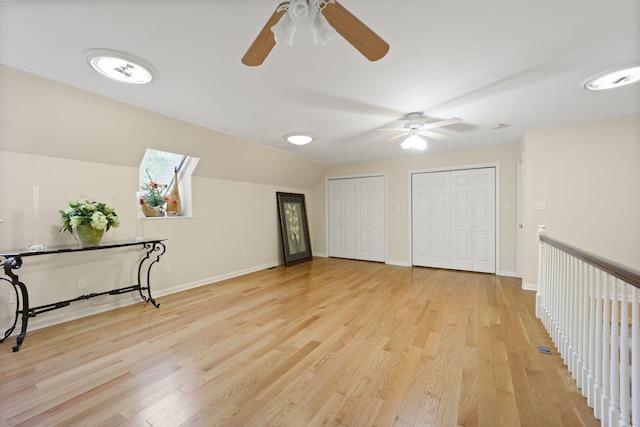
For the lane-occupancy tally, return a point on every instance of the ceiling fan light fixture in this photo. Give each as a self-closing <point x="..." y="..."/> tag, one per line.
<point x="284" y="31"/>
<point x="414" y="142"/>
<point x="323" y="32"/>
<point x="303" y="12"/>
<point x="614" y="79"/>
<point x="120" y="66"/>
<point x="299" y="138"/>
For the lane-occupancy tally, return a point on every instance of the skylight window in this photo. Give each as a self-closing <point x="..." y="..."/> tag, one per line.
<point x="157" y="171"/>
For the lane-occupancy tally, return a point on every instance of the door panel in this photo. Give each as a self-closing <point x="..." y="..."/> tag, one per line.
<point x="462" y="214"/>
<point x="484" y="220"/>
<point x="441" y="220"/>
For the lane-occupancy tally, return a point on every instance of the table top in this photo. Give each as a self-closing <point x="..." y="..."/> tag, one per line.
<point x="77" y="248"/>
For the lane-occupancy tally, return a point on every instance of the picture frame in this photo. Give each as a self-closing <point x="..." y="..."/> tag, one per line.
<point x="294" y="228"/>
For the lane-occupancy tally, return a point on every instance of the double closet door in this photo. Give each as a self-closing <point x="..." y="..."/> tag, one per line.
<point x="454" y="219"/>
<point x="356" y="226"/>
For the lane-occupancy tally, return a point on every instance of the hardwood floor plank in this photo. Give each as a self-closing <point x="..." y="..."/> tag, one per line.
<point x="327" y="342"/>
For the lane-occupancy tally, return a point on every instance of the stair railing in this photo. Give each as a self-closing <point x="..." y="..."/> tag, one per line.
<point x="590" y="307"/>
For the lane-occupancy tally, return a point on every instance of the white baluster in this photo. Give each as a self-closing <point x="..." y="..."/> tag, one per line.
<point x="635" y="358"/>
<point x="614" y="358"/>
<point x="583" y="324"/>
<point x="566" y="308"/>
<point x="606" y="345"/>
<point x="625" y="415"/>
<point x="591" y="337"/>
<point x="572" y="316"/>
<point x="556" y="300"/>
<point x="598" y="346"/>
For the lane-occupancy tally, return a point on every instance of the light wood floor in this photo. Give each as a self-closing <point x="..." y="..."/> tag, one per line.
<point x="328" y="342"/>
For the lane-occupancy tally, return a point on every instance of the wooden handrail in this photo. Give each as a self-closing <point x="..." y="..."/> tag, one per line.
<point x="622" y="272"/>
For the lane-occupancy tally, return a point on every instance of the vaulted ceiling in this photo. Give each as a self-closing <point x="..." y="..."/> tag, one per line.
<point x="497" y="61"/>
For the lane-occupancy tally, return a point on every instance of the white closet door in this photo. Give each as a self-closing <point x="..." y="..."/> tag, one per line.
<point x="461" y="220"/>
<point x="357" y="218"/>
<point x="440" y="220"/>
<point x="421" y="219"/>
<point x="484" y="220"/>
<point x="454" y="219"/>
<point x="342" y="218"/>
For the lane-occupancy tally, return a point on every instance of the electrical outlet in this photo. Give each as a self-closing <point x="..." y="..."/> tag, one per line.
<point x="80" y="283"/>
<point x="12" y="297"/>
<point x="166" y="268"/>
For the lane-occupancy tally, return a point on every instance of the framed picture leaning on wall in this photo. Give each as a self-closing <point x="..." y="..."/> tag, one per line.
<point x="294" y="227"/>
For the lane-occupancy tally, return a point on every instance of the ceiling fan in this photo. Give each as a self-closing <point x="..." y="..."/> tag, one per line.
<point x="415" y="128"/>
<point x="325" y="17"/>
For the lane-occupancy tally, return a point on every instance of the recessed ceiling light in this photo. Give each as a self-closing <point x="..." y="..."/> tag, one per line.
<point x="120" y="66"/>
<point x="613" y="79"/>
<point x="299" y="138"/>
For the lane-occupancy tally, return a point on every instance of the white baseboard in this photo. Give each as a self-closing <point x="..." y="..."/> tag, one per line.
<point x="530" y="286"/>
<point x="321" y="255"/>
<point x="507" y="274"/>
<point x="398" y="263"/>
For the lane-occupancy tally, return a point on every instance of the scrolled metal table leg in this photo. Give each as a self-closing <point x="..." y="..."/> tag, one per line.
<point x="22" y="300"/>
<point x="157" y="248"/>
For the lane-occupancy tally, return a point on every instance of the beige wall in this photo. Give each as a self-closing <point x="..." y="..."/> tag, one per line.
<point x="39" y="116"/>
<point x="76" y="144"/>
<point x="234" y="230"/>
<point x="589" y="176"/>
<point x="398" y="193"/>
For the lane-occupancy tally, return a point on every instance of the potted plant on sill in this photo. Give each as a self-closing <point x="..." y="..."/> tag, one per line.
<point x="153" y="199"/>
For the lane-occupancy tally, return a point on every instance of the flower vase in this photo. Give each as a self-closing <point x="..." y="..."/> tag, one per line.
<point x="149" y="211"/>
<point x="88" y="235"/>
<point x="36" y="246"/>
<point x="174" y="206"/>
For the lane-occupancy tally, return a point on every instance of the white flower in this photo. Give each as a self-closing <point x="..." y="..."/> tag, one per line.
<point x="74" y="221"/>
<point x="114" y="220"/>
<point x="99" y="221"/>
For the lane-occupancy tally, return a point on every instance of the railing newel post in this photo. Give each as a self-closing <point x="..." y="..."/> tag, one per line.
<point x="542" y="231"/>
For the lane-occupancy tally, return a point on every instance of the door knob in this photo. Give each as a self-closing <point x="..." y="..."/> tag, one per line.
<point x="520" y="226"/>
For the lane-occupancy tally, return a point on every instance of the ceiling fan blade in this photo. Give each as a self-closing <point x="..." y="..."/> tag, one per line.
<point x="440" y="124"/>
<point x="433" y="135"/>
<point x="393" y="138"/>
<point x="262" y="45"/>
<point x="395" y="129"/>
<point x="355" y="32"/>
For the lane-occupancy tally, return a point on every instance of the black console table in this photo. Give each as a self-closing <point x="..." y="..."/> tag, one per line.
<point x="12" y="260"/>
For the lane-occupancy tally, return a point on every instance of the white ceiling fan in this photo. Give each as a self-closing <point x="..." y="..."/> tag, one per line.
<point x="416" y="128"/>
<point x="325" y="17"/>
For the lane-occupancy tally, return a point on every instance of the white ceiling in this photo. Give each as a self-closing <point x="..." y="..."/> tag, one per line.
<point x="517" y="62"/>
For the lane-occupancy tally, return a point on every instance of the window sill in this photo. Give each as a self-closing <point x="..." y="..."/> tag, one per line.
<point x="154" y="218"/>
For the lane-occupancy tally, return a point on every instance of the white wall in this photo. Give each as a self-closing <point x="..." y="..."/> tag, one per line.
<point x="398" y="193"/>
<point x="589" y="176"/>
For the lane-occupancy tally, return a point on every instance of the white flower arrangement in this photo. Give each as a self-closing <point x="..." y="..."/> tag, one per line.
<point x="99" y="215"/>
